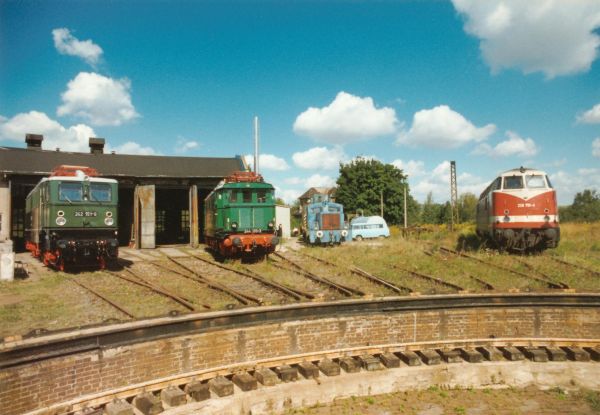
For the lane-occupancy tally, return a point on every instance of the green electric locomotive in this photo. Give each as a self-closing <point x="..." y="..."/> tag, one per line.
<point x="71" y="218"/>
<point x="240" y="216"/>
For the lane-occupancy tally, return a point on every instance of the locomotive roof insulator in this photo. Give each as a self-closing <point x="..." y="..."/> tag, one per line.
<point x="72" y="171"/>
<point x="244" y="177"/>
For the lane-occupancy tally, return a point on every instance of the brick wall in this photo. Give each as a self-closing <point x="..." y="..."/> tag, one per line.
<point x="31" y="386"/>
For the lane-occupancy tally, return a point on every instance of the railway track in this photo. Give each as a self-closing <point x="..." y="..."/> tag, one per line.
<point x="543" y="281"/>
<point x="289" y="291"/>
<point x="362" y="273"/>
<point x="351" y="359"/>
<point x="295" y="267"/>
<point x="572" y="265"/>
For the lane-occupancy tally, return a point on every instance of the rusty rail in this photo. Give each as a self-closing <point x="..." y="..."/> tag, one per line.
<point x="138" y="279"/>
<point x="362" y="273"/>
<point x="486" y="284"/>
<point x="430" y="278"/>
<point x="549" y="284"/>
<point x="348" y="291"/>
<point x="562" y="261"/>
<point x="242" y="297"/>
<point x="544" y="276"/>
<point x="102" y="297"/>
<point x="292" y="292"/>
<point x="373" y="278"/>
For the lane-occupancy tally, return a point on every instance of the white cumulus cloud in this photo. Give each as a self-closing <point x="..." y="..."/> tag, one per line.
<point x="347" y="119"/>
<point x="322" y="158"/>
<point x="73" y="138"/>
<point x="131" y="147"/>
<point x="288" y="195"/>
<point x="98" y="99"/>
<point x="568" y="184"/>
<point x="442" y="127"/>
<point x="437" y="182"/>
<point x="596" y="147"/>
<point x="591" y="116"/>
<point x="555" y="37"/>
<point x="318" y="180"/>
<point x="67" y="44"/>
<point x="515" y="145"/>
<point x="183" y="146"/>
<point x="413" y="168"/>
<point x="267" y="162"/>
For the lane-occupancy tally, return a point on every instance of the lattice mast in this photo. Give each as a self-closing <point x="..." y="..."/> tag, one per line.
<point x="454" y="219"/>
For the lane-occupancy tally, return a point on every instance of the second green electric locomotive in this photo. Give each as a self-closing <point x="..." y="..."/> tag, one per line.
<point x="240" y="216"/>
<point x="71" y="218"/>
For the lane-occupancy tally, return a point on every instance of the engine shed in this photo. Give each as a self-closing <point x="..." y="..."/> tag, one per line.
<point x="160" y="197"/>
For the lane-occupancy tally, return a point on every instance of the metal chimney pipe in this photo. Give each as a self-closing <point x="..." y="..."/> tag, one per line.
<point x="256" y="145"/>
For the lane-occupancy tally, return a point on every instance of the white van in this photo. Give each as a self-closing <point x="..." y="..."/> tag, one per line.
<point x="368" y="227"/>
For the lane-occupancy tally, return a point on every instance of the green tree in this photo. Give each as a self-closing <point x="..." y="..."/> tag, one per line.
<point x="430" y="211"/>
<point x="361" y="184"/>
<point x="467" y="207"/>
<point x="585" y="207"/>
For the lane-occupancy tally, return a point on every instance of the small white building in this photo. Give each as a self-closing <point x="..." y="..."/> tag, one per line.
<point x="282" y="217"/>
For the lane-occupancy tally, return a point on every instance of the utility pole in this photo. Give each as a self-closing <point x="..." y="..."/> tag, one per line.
<point x="381" y="201"/>
<point x="256" y="145"/>
<point x="405" y="209"/>
<point x="453" y="196"/>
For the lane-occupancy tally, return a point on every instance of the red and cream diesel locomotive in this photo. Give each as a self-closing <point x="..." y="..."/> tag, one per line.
<point x="518" y="211"/>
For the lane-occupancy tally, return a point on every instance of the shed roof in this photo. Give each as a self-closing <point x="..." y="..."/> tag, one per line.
<point x="330" y="191"/>
<point x="41" y="162"/>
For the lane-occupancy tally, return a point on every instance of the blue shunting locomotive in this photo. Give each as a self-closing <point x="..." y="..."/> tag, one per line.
<point x="323" y="222"/>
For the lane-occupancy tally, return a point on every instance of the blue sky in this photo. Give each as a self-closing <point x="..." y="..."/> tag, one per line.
<point x="492" y="85"/>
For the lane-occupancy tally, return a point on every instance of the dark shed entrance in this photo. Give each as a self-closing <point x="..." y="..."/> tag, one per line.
<point x="160" y="198"/>
<point x="172" y="216"/>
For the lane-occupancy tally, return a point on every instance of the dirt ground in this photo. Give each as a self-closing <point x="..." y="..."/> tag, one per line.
<point x="435" y="401"/>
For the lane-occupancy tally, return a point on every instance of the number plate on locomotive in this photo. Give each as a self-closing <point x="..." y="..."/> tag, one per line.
<point x="85" y="214"/>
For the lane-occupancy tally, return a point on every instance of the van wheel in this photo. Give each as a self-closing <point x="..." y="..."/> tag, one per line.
<point x="358" y="238"/>
<point x="381" y="236"/>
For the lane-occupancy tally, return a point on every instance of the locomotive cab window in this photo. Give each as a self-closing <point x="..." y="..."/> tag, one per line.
<point x="261" y="196"/>
<point x="535" y="181"/>
<point x="549" y="183"/>
<point x="100" y="192"/>
<point x="513" y="182"/>
<point x="247" y="196"/>
<point x="70" y="192"/>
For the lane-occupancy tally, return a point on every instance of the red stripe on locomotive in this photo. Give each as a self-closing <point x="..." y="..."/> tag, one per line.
<point x="541" y="204"/>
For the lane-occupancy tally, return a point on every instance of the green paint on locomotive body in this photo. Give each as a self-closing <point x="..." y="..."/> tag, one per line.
<point x="84" y="205"/>
<point x="239" y="208"/>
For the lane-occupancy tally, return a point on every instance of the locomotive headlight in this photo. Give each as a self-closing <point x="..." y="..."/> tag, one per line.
<point x="547" y="218"/>
<point x="319" y="234"/>
<point x="60" y="221"/>
<point x="109" y="221"/>
<point x="108" y="214"/>
<point x="506" y="219"/>
<point x="506" y="211"/>
<point x="234" y="225"/>
<point x="344" y="233"/>
<point x="60" y="213"/>
<point x="271" y="224"/>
